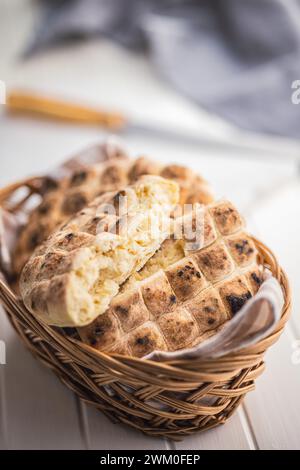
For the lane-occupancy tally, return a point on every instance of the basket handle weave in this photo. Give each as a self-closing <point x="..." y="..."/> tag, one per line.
<point x="33" y="185"/>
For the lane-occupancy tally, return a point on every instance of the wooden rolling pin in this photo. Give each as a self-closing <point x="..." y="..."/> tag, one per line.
<point x="35" y="104"/>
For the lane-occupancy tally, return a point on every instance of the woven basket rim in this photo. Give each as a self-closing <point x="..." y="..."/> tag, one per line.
<point x="113" y="360"/>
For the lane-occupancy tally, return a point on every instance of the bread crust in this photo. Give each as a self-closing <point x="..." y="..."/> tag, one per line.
<point x="63" y="199"/>
<point x="182" y="304"/>
<point x="80" y="267"/>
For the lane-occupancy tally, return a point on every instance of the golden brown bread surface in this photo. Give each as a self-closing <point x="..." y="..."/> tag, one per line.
<point x="179" y="298"/>
<point x="71" y="278"/>
<point x="65" y="198"/>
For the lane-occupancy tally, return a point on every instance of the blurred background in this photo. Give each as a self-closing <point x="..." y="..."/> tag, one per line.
<point x="212" y="85"/>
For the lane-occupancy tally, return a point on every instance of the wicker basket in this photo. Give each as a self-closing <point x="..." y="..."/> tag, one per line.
<point x="171" y="399"/>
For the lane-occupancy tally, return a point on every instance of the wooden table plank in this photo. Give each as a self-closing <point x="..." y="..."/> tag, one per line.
<point x="274" y="407"/>
<point x="278" y="220"/>
<point x="39" y="411"/>
<point x="234" y="434"/>
<point x="103" y="434"/>
<point x="3" y="423"/>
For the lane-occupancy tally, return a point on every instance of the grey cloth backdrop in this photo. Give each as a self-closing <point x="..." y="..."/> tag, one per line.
<point x="236" y="58"/>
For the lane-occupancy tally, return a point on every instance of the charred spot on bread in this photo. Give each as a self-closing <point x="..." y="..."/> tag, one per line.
<point x="45" y="207"/>
<point x="49" y="184"/>
<point x="123" y="311"/>
<point x="73" y="203"/>
<point x="236" y="302"/>
<point x="78" y="177"/>
<point x="143" y="340"/>
<point x="227" y="218"/>
<point x="111" y="175"/>
<point x="258" y="280"/>
<point x="69" y="236"/>
<point x="214" y="261"/>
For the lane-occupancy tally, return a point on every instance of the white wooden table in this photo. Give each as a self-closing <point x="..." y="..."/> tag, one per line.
<point x="36" y="410"/>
